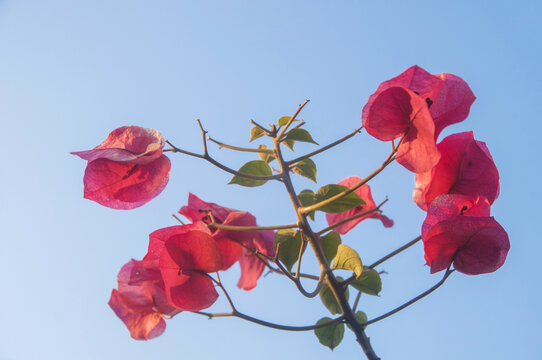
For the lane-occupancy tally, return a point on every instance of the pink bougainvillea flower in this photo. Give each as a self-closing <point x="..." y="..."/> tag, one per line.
<point x="184" y="263"/>
<point x="234" y="245"/>
<point x="141" y="304"/>
<point x="447" y="96"/>
<point x="364" y="193"/>
<point x="127" y="170"/>
<point x="398" y="112"/>
<point x="466" y="167"/>
<point x="459" y="229"/>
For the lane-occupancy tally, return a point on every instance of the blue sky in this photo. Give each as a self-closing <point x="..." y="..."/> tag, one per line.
<point x="70" y="72"/>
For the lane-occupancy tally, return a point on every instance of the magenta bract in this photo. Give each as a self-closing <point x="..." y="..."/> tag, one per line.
<point x="234" y="245"/>
<point x="141" y="303"/>
<point x="127" y="170"/>
<point x="466" y="167"/>
<point x="184" y="263"/>
<point x="364" y="193"/>
<point x="448" y="97"/>
<point x="459" y="229"/>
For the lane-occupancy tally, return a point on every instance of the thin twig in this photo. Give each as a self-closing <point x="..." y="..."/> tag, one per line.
<point x="252" y="228"/>
<point x="177" y="218"/>
<point x="238" y="148"/>
<point x="308" y="209"/>
<point x="410" y="302"/>
<point x="324" y="148"/>
<point x="221" y="166"/>
<point x="339" y="223"/>
<point x="395" y="252"/>
<point x="261" y="127"/>
<point x="283" y="131"/>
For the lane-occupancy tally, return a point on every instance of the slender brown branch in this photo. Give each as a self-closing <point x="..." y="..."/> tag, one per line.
<point x="299" y="256"/>
<point x="251" y="228"/>
<point x="261" y="127"/>
<point x="301" y="275"/>
<point x="339" y="223"/>
<point x="285" y="327"/>
<point x="237" y="148"/>
<point x="221" y="166"/>
<point x="395" y="252"/>
<point x="410" y="302"/>
<point x="324" y="148"/>
<point x="356" y="302"/>
<point x="283" y="131"/>
<point x="177" y="218"/>
<point x="308" y="209"/>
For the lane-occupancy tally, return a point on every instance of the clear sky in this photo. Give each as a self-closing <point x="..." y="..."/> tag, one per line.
<point x="71" y="71"/>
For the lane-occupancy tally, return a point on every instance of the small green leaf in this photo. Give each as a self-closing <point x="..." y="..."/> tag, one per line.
<point x="254" y="168"/>
<point x="267" y="157"/>
<point x="306" y="168"/>
<point x="284" y="120"/>
<point x="369" y="282"/>
<point x="289" y="143"/>
<point x="340" y="205"/>
<point x="329" y="300"/>
<point x="330" y="335"/>
<point x="348" y="259"/>
<point x="307" y="198"/>
<point x="300" y="135"/>
<point x="290" y="243"/>
<point x="330" y="243"/>
<point x="255" y="133"/>
<point x="361" y="318"/>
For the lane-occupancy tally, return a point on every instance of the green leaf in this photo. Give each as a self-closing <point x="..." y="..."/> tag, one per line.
<point x="254" y="168"/>
<point x="361" y="318"/>
<point x="255" y="133"/>
<point x="330" y="243"/>
<point x="330" y="335"/>
<point x="329" y="300"/>
<point x="306" y="168"/>
<point x="300" y="135"/>
<point x="267" y="157"/>
<point x="290" y="243"/>
<point x="284" y="120"/>
<point x="307" y="198"/>
<point x="289" y="144"/>
<point x="369" y="282"/>
<point x="340" y="205"/>
<point x="348" y="259"/>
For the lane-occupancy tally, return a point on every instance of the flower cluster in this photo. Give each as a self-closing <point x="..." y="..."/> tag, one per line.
<point x="456" y="182"/>
<point x="456" y="179"/>
<point x="174" y="274"/>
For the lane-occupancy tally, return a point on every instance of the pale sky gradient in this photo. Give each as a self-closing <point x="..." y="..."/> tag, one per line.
<point x="72" y="71"/>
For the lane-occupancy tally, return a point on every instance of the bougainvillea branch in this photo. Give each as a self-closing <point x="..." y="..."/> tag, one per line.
<point x="412" y="301"/>
<point x="395" y="252"/>
<point x="456" y="182"/>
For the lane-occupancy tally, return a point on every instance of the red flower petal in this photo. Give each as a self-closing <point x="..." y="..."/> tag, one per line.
<point x="451" y="101"/>
<point x="447" y="96"/>
<point x="197" y="209"/>
<point x="132" y="144"/>
<point x="466" y="167"/>
<point x="185" y="257"/>
<point x="158" y="238"/>
<point x="142" y="325"/>
<point x="125" y="186"/>
<point x="476" y="245"/>
<point x="396" y="112"/>
<point x="252" y="266"/>
<point x="364" y="193"/>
